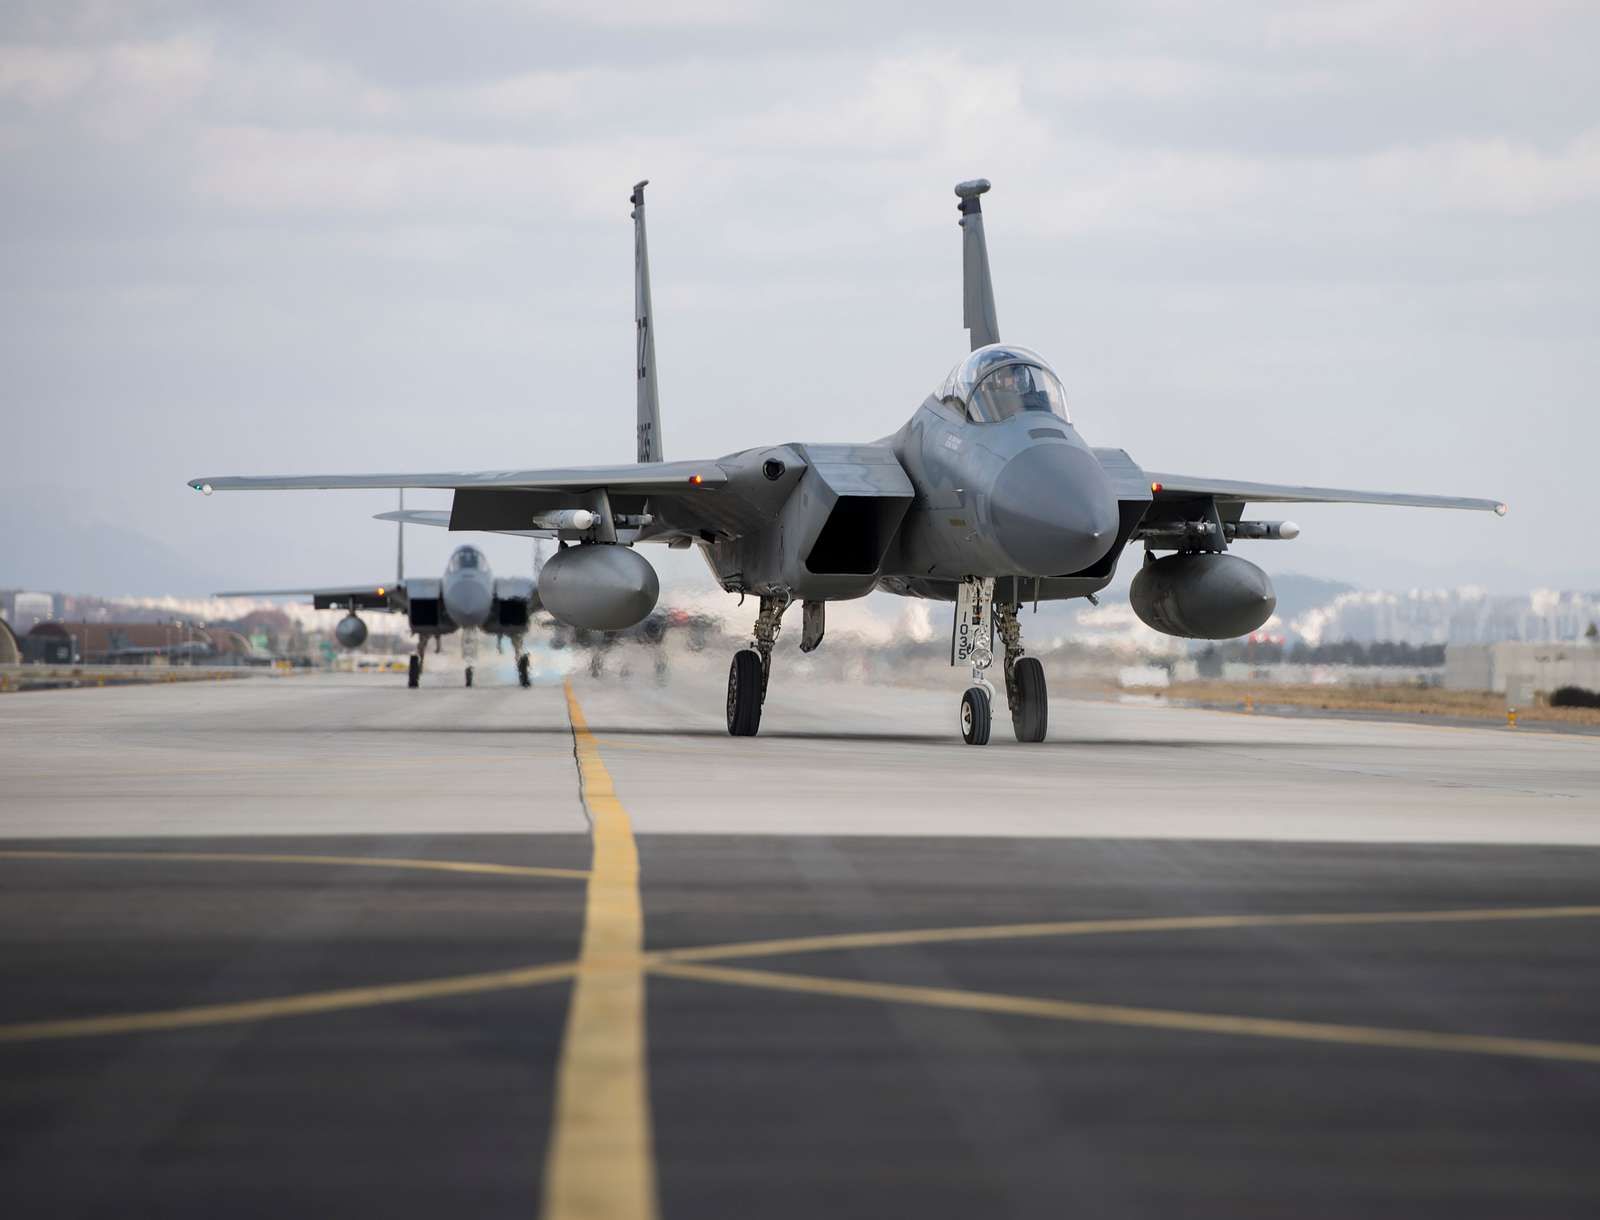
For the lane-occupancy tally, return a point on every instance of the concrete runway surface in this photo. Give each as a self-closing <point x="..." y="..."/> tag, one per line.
<point x="318" y="944"/>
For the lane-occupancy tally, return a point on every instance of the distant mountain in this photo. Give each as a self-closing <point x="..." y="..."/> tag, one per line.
<point x="46" y="551"/>
<point x="1298" y="593"/>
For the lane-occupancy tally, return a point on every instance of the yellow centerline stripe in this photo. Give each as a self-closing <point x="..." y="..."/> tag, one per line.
<point x="287" y="1006"/>
<point x="1101" y="927"/>
<point x="601" y="1162"/>
<point x="1147" y="1018"/>
<point x="224" y="857"/>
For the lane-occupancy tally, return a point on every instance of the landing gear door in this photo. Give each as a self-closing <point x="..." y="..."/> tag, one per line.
<point x="973" y="636"/>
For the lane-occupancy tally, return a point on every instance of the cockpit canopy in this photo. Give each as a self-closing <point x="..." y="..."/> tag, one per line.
<point x="466" y="557"/>
<point x="1001" y="380"/>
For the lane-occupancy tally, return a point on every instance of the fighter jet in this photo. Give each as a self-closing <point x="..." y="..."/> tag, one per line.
<point x="468" y="597"/>
<point x="987" y="497"/>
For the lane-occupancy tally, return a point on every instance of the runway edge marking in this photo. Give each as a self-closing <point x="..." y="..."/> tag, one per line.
<point x="1103" y="927"/>
<point x="241" y="857"/>
<point x="286" y="1006"/>
<point x="1145" y="1018"/>
<point x="601" y="1161"/>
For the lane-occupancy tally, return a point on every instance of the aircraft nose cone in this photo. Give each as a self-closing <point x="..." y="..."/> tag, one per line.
<point x="1053" y="509"/>
<point x="467" y="602"/>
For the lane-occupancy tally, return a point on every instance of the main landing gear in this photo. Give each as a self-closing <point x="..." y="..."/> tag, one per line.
<point x="1025" y="688"/>
<point x="521" y="654"/>
<point x="747" y="676"/>
<point x="414" y="674"/>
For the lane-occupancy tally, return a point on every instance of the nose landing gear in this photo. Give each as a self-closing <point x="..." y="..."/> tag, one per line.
<point x="973" y="644"/>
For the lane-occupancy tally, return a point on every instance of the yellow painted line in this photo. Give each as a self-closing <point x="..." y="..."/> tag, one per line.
<point x="1101" y="927"/>
<point x="601" y="1161"/>
<point x="1145" y="1018"/>
<point x="225" y="857"/>
<point x="287" y="1006"/>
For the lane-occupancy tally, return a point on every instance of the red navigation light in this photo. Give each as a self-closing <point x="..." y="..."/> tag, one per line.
<point x="1155" y="488"/>
<point x="696" y="480"/>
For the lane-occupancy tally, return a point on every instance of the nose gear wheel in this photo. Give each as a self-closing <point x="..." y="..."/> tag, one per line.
<point x="975" y="716"/>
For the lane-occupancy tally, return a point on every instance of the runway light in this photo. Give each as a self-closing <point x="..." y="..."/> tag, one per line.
<point x="380" y="590"/>
<point x="1155" y="488"/>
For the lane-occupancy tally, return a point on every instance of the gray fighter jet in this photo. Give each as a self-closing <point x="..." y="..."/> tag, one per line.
<point x="986" y="497"/>
<point x="468" y="598"/>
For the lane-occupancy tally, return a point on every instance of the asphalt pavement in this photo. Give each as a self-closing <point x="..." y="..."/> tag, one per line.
<point x="301" y="945"/>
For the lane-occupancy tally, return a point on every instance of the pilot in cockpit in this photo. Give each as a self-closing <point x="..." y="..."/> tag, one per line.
<point x="1015" y="388"/>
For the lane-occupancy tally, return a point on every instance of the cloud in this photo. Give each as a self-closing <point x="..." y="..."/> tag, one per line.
<point x="119" y="91"/>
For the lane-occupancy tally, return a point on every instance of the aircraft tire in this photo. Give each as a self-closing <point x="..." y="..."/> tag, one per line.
<point x="975" y="716"/>
<point x="744" y="693"/>
<point x="522" y="671"/>
<point x="414" y="672"/>
<point x="1031" y="717"/>
<point x="469" y="675"/>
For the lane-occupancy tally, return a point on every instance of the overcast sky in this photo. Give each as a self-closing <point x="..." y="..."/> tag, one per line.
<point x="1351" y="243"/>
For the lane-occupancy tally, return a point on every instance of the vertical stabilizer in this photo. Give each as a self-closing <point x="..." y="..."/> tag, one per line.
<point x="644" y="338"/>
<point x="400" y="545"/>
<point x="977" y="290"/>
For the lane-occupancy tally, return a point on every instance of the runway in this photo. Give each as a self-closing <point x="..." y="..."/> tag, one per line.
<point x="324" y="943"/>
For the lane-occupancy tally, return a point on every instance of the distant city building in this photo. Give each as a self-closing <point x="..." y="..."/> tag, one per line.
<point x="1450" y="616"/>
<point x="30" y="608"/>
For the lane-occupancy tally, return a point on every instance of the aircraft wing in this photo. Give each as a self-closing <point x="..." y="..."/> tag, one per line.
<point x="361" y="597"/>
<point x="642" y="478"/>
<point x="1170" y="487"/>
<point x="505" y="501"/>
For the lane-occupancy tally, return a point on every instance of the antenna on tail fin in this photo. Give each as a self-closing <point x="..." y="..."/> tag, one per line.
<point x="400" y="546"/>
<point x="977" y="289"/>
<point x="644" y="337"/>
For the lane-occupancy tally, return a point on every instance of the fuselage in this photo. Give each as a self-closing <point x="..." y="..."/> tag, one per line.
<point x="988" y="478"/>
<point x="467" y="587"/>
<point x="1018" y="497"/>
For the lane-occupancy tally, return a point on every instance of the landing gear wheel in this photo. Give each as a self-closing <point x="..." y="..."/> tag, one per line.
<point x="414" y="673"/>
<point x="744" y="693"/>
<point x="1031" y="716"/>
<point x="975" y="716"/>
<point x="469" y="675"/>
<point x="522" y="671"/>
